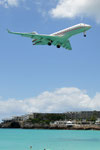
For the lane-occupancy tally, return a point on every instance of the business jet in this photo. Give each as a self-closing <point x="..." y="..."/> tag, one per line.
<point x="58" y="39"/>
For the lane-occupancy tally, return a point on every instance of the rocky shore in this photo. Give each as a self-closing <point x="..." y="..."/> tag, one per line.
<point x="87" y="120"/>
<point x="26" y="125"/>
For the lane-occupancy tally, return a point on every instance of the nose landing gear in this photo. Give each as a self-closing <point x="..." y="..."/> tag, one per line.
<point x="84" y="34"/>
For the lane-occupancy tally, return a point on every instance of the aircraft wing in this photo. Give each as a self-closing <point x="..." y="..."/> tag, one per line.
<point x="33" y="35"/>
<point x="65" y="45"/>
<point x="44" y="39"/>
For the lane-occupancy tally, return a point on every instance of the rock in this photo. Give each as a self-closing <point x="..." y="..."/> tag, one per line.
<point x="10" y="125"/>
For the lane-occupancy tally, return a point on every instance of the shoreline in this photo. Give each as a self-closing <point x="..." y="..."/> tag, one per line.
<point x="84" y="120"/>
<point x="20" y="125"/>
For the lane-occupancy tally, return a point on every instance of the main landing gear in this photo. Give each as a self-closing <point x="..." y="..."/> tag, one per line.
<point x="58" y="46"/>
<point x="50" y="43"/>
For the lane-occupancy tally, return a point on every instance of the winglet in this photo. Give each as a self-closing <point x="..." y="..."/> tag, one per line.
<point x="8" y="31"/>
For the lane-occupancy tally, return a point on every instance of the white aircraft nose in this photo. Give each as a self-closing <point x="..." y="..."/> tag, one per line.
<point x="88" y="26"/>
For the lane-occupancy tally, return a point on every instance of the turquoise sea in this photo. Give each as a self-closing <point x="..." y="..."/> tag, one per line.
<point x="19" y="139"/>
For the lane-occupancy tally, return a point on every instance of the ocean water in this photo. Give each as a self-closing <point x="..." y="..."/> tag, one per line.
<point x="20" y="139"/>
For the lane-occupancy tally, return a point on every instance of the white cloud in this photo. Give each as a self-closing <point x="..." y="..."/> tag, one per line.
<point x="10" y="3"/>
<point x="60" y="100"/>
<point x="77" y="8"/>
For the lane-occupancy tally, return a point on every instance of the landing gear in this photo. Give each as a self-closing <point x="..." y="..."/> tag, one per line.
<point x="84" y="34"/>
<point x="58" y="46"/>
<point x="49" y="43"/>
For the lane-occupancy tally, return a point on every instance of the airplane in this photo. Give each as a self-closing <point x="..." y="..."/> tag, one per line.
<point x="58" y="39"/>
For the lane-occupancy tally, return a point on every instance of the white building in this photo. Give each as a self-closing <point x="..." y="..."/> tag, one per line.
<point x="63" y="123"/>
<point x="97" y="122"/>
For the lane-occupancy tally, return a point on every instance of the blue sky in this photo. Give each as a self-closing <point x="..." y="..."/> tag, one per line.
<point x="28" y="71"/>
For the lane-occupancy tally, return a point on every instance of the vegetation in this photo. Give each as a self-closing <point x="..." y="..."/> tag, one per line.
<point x="46" y="118"/>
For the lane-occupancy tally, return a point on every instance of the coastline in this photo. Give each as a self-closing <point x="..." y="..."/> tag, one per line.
<point x="86" y="120"/>
<point x="20" y="125"/>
